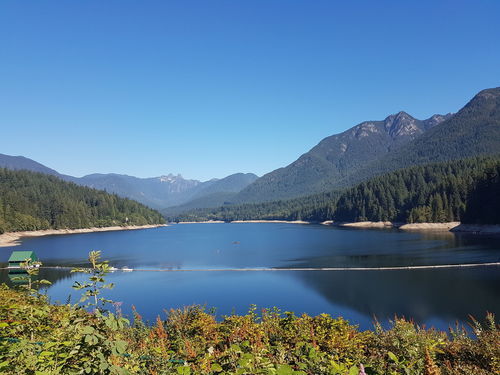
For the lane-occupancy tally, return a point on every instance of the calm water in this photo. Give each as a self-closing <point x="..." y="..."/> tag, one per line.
<point x="433" y="297"/>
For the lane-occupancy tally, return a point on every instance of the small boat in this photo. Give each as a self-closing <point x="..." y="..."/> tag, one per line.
<point x="113" y="269"/>
<point x="127" y="269"/>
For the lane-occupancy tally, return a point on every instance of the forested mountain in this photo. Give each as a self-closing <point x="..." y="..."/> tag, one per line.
<point x="215" y="194"/>
<point x="472" y="131"/>
<point x="437" y="192"/>
<point x="166" y="191"/>
<point x="484" y="199"/>
<point x="231" y="184"/>
<point x="340" y="161"/>
<point x="337" y="157"/>
<point x="440" y="192"/>
<point x="156" y="192"/>
<point x="22" y="163"/>
<point x="376" y="147"/>
<point x="206" y="201"/>
<point x="32" y="201"/>
<point x="302" y="208"/>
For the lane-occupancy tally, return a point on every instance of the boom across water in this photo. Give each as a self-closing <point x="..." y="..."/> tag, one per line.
<point x="268" y="269"/>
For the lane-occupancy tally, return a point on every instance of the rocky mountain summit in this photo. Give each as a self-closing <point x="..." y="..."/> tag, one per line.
<point x="338" y="155"/>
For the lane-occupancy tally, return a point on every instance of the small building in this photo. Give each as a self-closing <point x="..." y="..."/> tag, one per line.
<point x="18" y="257"/>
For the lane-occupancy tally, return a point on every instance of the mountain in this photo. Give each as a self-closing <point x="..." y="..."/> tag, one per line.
<point x="22" y="163"/>
<point x="32" y="201"/>
<point x="338" y="156"/>
<point x="458" y="190"/>
<point x="216" y="194"/>
<point x="472" y="131"/>
<point x="166" y="191"/>
<point x="230" y="184"/>
<point x="156" y="192"/>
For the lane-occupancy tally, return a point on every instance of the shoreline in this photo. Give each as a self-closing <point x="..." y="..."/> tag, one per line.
<point x="446" y="227"/>
<point x="14" y="238"/>
<point x="272" y="221"/>
<point x="452" y="227"/>
<point x="244" y="221"/>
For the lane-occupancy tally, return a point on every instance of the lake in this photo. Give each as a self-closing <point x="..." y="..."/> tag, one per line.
<point x="434" y="297"/>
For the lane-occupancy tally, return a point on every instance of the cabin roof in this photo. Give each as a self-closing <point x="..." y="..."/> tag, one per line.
<point x="21" y="256"/>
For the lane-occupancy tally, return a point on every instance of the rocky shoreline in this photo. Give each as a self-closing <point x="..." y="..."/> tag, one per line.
<point x="14" y="238"/>
<point x="454" y="226"/>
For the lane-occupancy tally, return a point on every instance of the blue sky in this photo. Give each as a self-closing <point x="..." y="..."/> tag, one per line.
<point x="209" y="88"/>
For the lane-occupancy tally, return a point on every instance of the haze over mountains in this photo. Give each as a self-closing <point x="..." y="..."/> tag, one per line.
<point x="338" y="161"/>
<point x="156" y="192"/>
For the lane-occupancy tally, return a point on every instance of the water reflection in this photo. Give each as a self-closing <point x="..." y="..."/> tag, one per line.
<point x="447" y="294"/>
<point x="438" y="296"/>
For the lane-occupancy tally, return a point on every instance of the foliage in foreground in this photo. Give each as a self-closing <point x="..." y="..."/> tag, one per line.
<point x="42" y="338"/>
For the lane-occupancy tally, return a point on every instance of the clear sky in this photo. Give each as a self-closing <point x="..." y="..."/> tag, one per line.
<point x="209" y="88"/>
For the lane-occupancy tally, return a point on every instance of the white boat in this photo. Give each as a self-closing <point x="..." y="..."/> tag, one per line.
<point x="127" y="269"/>
<point x="113" y="269"/>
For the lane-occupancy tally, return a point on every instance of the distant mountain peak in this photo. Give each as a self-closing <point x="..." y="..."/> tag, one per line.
<point x="338" y="156"/>
<point x="23" y="163"/>
<point x="489" y="93"/>
<point x="401" y="124"/>
<point x="436" y="120"/>
<point x="171" y="178"/>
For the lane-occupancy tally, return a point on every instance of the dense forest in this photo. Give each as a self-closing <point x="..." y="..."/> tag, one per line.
<point x="376" y="147"/>
<point x="431" y="193"/>
<point x="33" y="201"/>
<point x="483" y="206"/>
<point x="437" y="192"/>
<point x="293" y="209"/>
<point x="473" y="131"/>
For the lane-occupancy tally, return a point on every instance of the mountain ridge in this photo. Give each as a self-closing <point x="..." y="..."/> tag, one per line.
<point x="156" y="192"/>
<point x="473" y="131"/>
<point x="335" y="156"/>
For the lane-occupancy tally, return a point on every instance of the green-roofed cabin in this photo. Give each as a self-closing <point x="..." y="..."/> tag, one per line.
<point x="18" y="257"/>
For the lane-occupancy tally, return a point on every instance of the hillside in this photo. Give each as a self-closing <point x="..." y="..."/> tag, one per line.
<point x="21" y="163"/>
<point x="33" y="201"/>
<point x="156" y="192"/>
<point x="337" y="157"/>
<point x="472" y="131"/>
<point x="484" y="199"/>
<point x="218" y="193"/>
<point x="435" y="192"/>
<point x="375" y="147"/>
<point x="291" y="209"/>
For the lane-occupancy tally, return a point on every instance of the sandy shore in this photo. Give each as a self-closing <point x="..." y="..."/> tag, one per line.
<point x="402" y="226"/>
<point x="367" y="224"/>
<point x="201" y="222"/>
<point x="246" y="221"/>
<point x="453" y="226"/>
<point x="14" y="238"/>
<point x="431" y="226"/>
<point x="272" y="221"/>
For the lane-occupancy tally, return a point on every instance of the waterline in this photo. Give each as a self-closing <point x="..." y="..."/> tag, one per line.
<point x="267" y="269"/>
